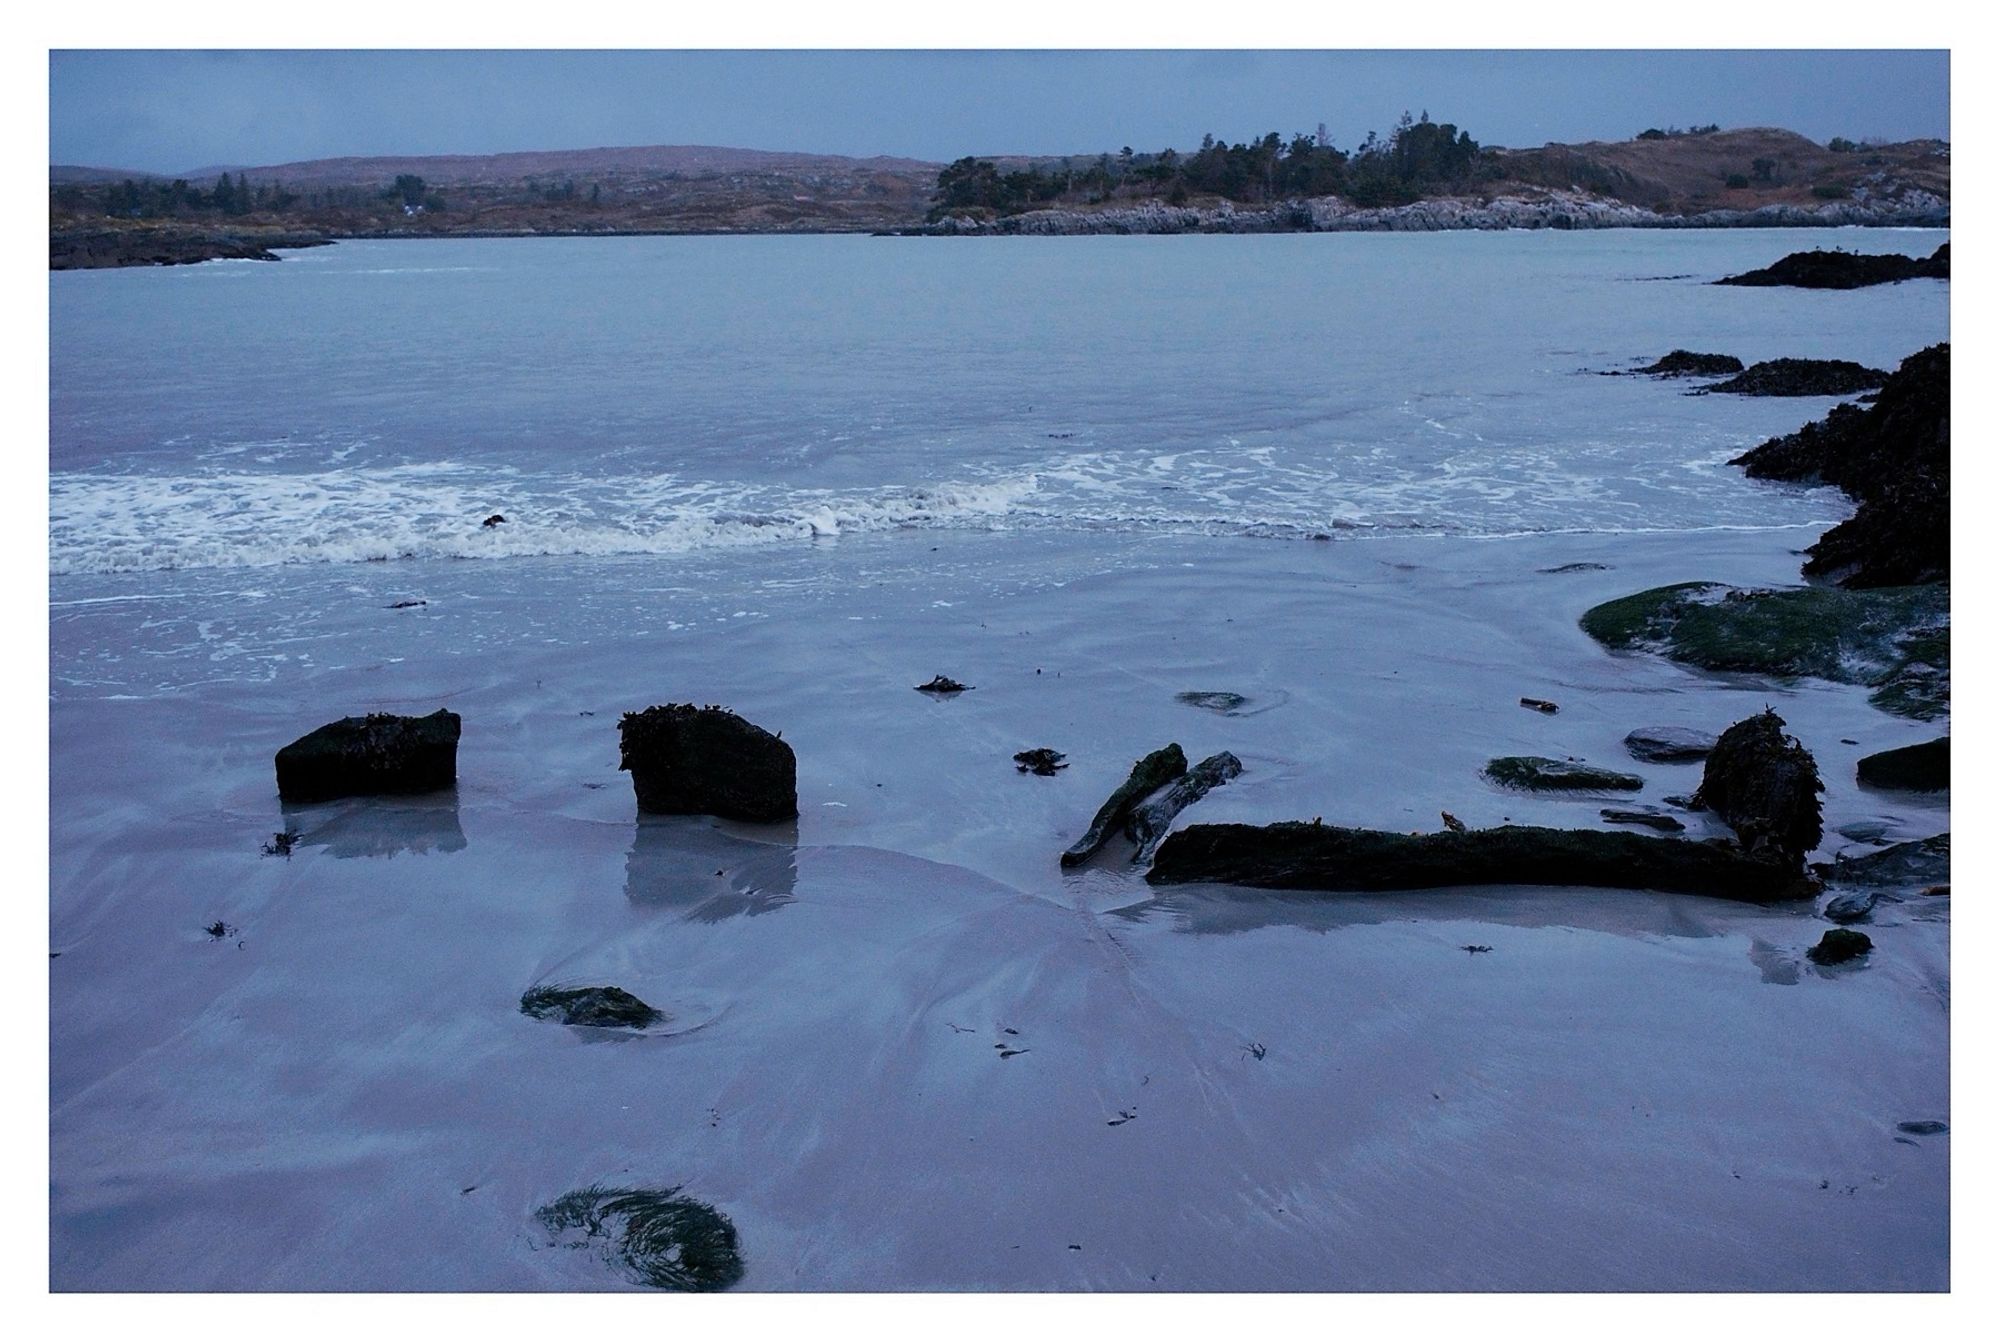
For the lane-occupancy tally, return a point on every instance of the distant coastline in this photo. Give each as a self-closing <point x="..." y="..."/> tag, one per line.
<point x="1705" y="178"/>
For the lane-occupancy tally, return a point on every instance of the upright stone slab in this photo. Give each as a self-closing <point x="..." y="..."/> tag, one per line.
<point x="707" y="761"/>
<point x="377" y="755"/>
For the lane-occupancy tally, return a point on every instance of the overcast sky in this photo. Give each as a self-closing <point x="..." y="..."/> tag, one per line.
<point x="170" y="111"/>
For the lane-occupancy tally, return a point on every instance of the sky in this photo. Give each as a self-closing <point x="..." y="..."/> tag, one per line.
<point x="172" y="111"/>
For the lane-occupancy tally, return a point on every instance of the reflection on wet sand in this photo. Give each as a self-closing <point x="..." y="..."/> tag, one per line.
<point x="379" y="826"/>
<point x="709" y="873"/>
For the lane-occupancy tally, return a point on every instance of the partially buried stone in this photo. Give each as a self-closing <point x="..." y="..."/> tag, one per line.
<point x="1840" y="945"/>
<point x="380" y="754"/>
<point x="707" y="761"/>
<point x="1536" y="773"/>
<point x="1669" y="745"/>
<point x="601" y="1007"/>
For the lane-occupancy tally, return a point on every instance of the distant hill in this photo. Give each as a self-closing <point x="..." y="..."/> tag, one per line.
<point x="709" y="189"/>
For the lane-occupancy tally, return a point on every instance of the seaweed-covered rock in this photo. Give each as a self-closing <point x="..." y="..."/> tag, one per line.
<point x="1669" y="745"/>
<point x="1895" y="639"/>
<point x="657" y="1236"/>
<point x="1802" y="377"/>
<point x="377" y="755"/>
<point x="1040" y="761"/>
<point x="1918" y="768"/>
<point x="1839" y="945"/>
<point x="1295" y="856"/>
<point x="611" y="1008"/>
<point x="1766" y="786"/>
<point x="1846" y="270"/>
<point x="707" y="761"/>
<point x="1916" y="865"/>
<point x="1687" y="363"/>
<point x="1894" y="458"/>
<point x="1538" y="773"/>
<point x="1149" y="775"/>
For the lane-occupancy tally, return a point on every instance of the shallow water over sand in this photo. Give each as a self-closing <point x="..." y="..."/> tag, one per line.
<point x="1626" y="1091"/>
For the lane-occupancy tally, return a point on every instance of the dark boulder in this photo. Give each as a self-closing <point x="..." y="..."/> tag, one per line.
<point x="1687" y="363"/>
<point x="1296" y="856"/>
<point x="942" y="684"/>
<point x="1918" y="768"/>
<point x="1766" y="786"/>
<point x="606" y="1008"/>
<point x="1846" y="270"/>
<point x="380" y="754"/>
<point x="1537" y="773"/>
<point x="1149" y="775"/>
<point x="1669" y="745"/>
<point x="1894" y="458"/>
<point x="1839" y="945"/>
<point x="707" y="761"/>
<point x="1802" y="377"/>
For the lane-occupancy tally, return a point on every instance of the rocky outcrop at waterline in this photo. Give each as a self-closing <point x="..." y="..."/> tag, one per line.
<point x="1298" y="856"/>
<point x="1892" y="456"/>
<point x="1331" y="214"/>
<point x="1846" y="270"/>
<point x="1920" y="768"/>
<point x="1691" y="363"/>
<point x="1802" y="377"/>
<point x="108" y="248"/>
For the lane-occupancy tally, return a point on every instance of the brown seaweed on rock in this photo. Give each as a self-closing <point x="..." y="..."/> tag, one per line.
<point x="1766" y="786"/>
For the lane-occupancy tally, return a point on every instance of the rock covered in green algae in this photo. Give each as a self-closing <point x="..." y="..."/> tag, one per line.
<point x="1538" y="773"/>
<point x="1895" y="639"/>
<point x="1296" y="856"/>
<point x="1839" y="945"/>
<point x="1918" y="768"/>
<point x="662" y="1239"/>
<point x="604" y="1007"/>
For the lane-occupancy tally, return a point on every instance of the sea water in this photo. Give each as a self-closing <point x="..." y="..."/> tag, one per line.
<point x="1348" y="477"/>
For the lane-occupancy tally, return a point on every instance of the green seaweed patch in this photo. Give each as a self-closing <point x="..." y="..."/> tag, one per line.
<point x="665" y="1240"/>
<point x="1537" y="773"/>
<point x="1896" y="640"/>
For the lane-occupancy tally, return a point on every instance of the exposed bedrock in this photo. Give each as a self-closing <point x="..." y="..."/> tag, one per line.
<point x="1846" y="270"/>
<point x="1689" y="363"/>
<point x="707" y="761"/>
<point x="1766" y="786"/>
<point x="1298" y="856"/>
<point x="380" y="754"/>
<point x="1802" y="377"/>
<point x="1894" y="458"/>
<point x="1147" y="824"/>
<point x="1896" y="640"/>
<point x="1149" y="775"/>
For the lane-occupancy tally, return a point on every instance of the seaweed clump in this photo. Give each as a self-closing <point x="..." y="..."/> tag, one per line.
<point x="612" y="1007"/>
<point x="666" y="1241"/>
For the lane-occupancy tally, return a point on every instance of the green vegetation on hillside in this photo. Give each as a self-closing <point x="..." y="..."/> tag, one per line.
<point x="1418" y="156"/>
